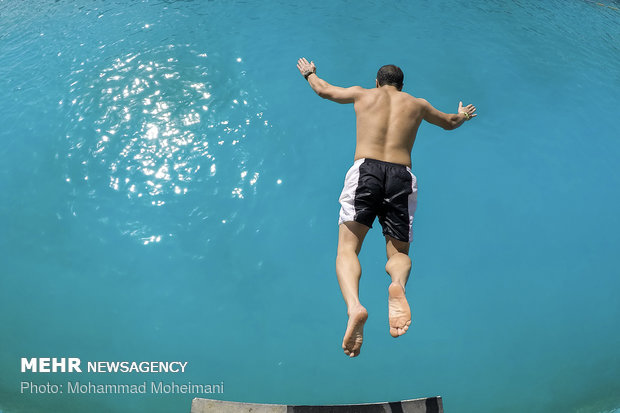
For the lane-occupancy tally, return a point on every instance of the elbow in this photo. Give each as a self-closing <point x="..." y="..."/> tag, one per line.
<point x="449" y="126"/>
<point x="452" y="123"/>
<point x="322" y="90"/>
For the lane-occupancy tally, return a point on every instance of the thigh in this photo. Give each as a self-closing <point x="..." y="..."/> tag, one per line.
<point x="401" y="195"/>
<point x="392" y="246"/>
<point x="351" y="235"/>
<point x="362" y="196"/>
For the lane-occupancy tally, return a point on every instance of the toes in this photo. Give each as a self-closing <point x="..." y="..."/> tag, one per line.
<point x="398" y="331"/>
<point x="351" y="353"/>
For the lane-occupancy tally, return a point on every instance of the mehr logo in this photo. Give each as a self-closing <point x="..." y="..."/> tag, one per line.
<point x="51" y="365"/>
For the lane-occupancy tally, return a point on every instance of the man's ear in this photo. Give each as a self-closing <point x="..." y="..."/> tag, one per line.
<point x="376" y="83"/>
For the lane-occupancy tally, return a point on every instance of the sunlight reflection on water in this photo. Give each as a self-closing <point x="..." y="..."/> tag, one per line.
<point x="157" y="122"/>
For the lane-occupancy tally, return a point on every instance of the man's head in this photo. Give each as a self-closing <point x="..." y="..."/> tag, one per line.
<point x="390" y="75"/>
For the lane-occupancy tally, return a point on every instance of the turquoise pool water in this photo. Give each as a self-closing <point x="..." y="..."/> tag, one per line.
<point x="169" y="189"/>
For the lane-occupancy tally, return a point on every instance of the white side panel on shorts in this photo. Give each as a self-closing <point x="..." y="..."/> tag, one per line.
<point x="412" y="202"/>
<point x="347" y="197"/>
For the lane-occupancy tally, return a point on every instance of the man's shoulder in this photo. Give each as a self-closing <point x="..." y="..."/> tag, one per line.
<point x="359" y="91"/>
<point x="410" y="99"/>
<point x="404" y="96"/>
<point x="410" y="96"/>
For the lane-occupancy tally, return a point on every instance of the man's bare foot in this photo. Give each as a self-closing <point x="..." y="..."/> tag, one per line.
<point x="399" y="311"/>
<point x="353" y="337"/>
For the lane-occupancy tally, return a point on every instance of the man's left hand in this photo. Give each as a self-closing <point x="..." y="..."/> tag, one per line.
<point x="305" y="68"/>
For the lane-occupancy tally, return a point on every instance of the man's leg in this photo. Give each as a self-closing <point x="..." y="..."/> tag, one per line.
<point x="350" y="238"/>
<point x="398" y="267"/>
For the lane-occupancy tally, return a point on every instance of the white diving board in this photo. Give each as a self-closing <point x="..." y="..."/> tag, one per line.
<point x="426" y="405"/>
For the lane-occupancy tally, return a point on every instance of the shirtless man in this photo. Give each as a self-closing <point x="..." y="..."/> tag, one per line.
<point x="379" y="183"/>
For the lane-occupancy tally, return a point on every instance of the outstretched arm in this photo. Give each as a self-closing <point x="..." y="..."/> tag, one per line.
<point x="448" y="121"/>
<point x="324" y="89"/>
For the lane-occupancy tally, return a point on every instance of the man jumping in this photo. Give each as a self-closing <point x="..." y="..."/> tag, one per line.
<point x="379" y="183"/>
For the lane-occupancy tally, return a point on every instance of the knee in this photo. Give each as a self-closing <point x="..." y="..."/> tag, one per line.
<point x="345" y="256"/>
<point x="398" y="262"/>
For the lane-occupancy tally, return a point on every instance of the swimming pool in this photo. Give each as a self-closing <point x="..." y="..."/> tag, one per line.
<point x="170" y="184"/>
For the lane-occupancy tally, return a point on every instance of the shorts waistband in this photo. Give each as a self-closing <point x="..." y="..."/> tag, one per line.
<point x="359" y="161"/>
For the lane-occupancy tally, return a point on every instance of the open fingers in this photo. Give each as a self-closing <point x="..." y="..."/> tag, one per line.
<point x="302" y="62"/>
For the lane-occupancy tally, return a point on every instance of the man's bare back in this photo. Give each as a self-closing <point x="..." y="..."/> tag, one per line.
<point x="387" y="123"/>
<point x="380" y="183"/>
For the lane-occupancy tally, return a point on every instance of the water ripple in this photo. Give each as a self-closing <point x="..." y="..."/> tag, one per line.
<point x="160" y="123"/>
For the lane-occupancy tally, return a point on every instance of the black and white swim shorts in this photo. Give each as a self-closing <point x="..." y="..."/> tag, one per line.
<point x="377" y="188"/>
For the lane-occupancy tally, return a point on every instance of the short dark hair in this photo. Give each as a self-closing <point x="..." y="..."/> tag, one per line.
<point x="390" y="75"/>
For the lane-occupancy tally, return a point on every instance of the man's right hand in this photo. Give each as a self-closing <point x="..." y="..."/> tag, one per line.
<point x="468" y="111"/>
